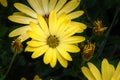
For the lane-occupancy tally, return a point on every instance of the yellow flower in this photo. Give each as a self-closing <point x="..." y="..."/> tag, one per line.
<point x="99" y="29"/>
<point x="43" y="7"/>
<point x="88" y="51"/>
<point x="35" y="78"/>
<point x="108" y="71"/>
<point x="54" y="39"/>
<point x="4" y="3"/>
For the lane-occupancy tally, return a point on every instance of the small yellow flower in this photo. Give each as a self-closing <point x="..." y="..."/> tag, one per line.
<point x="54" y="39"/>
<point x="43" y="7"/>
<point x="108" y="72"/>
<point x="4" y="3"/>
<point x="17" y="46"/>
<point x="35" y="78"/>
<point x="88" y="51"/>
<point x="99" y="29"/>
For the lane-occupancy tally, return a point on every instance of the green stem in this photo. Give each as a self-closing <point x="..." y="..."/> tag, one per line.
<point x="10" y="65"/>
<point x="100" y="50"/>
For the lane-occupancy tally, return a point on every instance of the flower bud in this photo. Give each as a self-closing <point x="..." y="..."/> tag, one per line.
<point x="99" y="29"/>
<point x="88" y="51"/>
<point x="17" y="46"/>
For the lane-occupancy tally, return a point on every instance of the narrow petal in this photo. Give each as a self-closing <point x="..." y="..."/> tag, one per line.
<point x="81" y="26"/>
<point x="73" y="39"/>
<point x="64" y="53"/>
<point x="48" y="56"/>
<point x="75" y="14"/>
<point x="105" y="70"/>
<point x="70" y="6"/>
<point x="36" y="28"/>
<point x="37" y="6"/>
<point x="54" y="58"/>
<point x="21" y="19"/>
<point x="62" y="61"/>
<point x="52" y="22"/>
<point x="4" y="3"/>
<point x="43" y="24"/>
<point x="30" y="49"/>
<point x="61" y="28"/>
<point x="23" y="37"/>
<point x="116" y="75"/>
<point x="59" y="5"/>
<point x="40" y="51"/>
<point x="45" y="6"/>
<point x="87" y="73"/>
<point x="34" y="43"/>
<point x="36" y="36"/>
<point x="94" y="71"/>
<point x="25" y="9"/>
<point x="71" y="48"/>
<point x="19" y="31"/>
<point x="71" y="30"/>
<point x="52" y="5"/>
<point x="19" y="13"/>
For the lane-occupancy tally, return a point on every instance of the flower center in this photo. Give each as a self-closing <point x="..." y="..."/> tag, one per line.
<point x="52" y="41"/>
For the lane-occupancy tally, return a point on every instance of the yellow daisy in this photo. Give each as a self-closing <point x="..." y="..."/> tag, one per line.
<point x="108" y="71"/>
<point x="4" y="3"/>
<point x="54" y="39"/>
<point x="43" y="7"/>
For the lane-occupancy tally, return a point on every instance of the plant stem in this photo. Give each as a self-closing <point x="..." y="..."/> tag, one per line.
<point x="100" y="50"/>
<point x="10" y="65"/>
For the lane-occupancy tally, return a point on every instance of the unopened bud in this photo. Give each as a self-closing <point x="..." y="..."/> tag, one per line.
<point x="17" y="46"/>
<point x="88" y="51"/>
<point x="99" y="28"/>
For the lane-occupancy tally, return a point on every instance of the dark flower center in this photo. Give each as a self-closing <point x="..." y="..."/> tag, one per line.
<point x="53" y="41"/>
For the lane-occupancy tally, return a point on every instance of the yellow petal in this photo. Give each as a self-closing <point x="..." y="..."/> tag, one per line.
<point x="64" y="53"/>
<point x="21" y="19"/>
<point x="48" y="56"/>
<point x="37" y="78"/>
<point x="71" y="30"/>
<point x="63" y="26"/>
<point x="36" y="28"/>
<point x="40" y="51"/>
<point x="45" y="6"/>
<point x="43" y="24"/>
<point x="59" y="5"/>
<point x="52" y="22"/>
<point x="36" y="36"/>
<point x="70" y="6"/>
<point x="23" y="78"/>
<point x="87" y="73"/>
<point x="19" y="13"/>
<point x="37" y="6"/>
<point x="4" y="3"/>
<point x="23" y="37"/>
<point x="116" y="75"/>
<point x="81" y="26"/>
<point x="94" y="71"/>
<point x="34" y="43"/>
<point x="62" y="61"/>
<point x="106" y="70"/>
<point x="75" y="14"/>
<point x="30" y="49"/>
<point x="25" y="9"/>
<point x="71" y="48"/>
<point x="19" y="31"/>
<point x="54" y="58"/>
<point x="52" y="5"/>
<point x="73" y="39"/>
